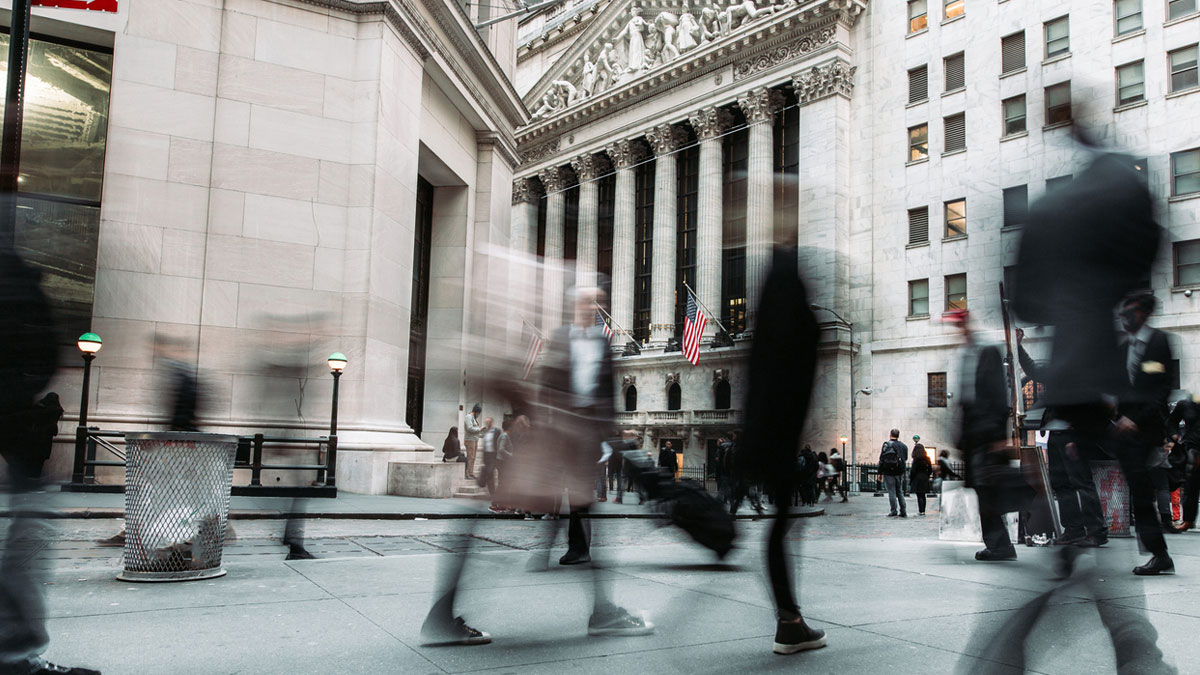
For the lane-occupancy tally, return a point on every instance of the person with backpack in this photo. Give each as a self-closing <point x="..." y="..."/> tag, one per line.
<point x="893" y="456"/>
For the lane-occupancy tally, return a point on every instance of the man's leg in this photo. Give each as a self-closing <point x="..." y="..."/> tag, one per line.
<point x="470" y="445"/>
<point x="1132" y="455"/>
<point x="1191" y="491"/>
<point x="889" y="484"/>
<point x="991" y="522"/>
<point x="23" y="635"/>
<point x="441" y="626"/>
<point x="1069" y="511"/>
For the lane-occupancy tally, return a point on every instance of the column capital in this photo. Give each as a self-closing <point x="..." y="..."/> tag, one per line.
<point x="588" y="166"/>
<point x="710" y="122"/>
<point x="525" y="191"/>
<point x="666" y="138"/>
<point x="625" y="153"/>
<point x="830" y="79"/>
<point x="554" y="179"/>
<point x="760" y="105"/>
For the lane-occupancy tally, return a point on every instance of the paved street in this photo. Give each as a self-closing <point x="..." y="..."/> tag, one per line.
<point x="891" y="596"/>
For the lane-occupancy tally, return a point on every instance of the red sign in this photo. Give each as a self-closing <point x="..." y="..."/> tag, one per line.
<point x="94" y="5"/>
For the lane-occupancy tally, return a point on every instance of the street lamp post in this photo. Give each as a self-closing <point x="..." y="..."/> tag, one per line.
<point x="89" y="344"/>
<point x="337" y="363"/>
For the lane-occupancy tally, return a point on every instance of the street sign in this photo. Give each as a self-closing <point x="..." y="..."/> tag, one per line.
<point x="93" y="5"/>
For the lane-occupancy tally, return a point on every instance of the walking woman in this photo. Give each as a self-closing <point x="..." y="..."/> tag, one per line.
<point x="919" y="476"/>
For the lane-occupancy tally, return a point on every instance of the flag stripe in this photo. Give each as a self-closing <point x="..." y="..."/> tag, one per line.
<point x="531" y="354"/>
<point x="608" y="333"/>
<point x="693" y="329"/>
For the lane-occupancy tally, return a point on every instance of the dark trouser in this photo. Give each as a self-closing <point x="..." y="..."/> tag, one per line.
<point x="1191" y="493"/>
<point x="1132" y="453"/>
<point x="921" y="497"/>
<point x="1162" y="492"/>
<point x="1071" y="477"/>
<point x="23" y="634"/>
<point x="991" y="520"/>
<point x="779" y="568"/>
<point x="614" y="478"/>
<point x="489" y="472"/>
<point x="895" y="495"/>
<point x="577" y="539"/>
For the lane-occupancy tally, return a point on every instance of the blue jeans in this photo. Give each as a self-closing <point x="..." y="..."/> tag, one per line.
<point x="893" y="485"/>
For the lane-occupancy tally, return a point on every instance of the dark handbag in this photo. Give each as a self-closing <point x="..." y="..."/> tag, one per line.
<point x="1002" y="483"/>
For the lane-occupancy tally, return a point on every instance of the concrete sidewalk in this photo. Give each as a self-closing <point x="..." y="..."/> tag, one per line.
<point x="892" y="597"/>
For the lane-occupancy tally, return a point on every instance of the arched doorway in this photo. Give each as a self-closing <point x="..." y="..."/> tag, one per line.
<point x="630" y="398"/>
<point x="722" y="396"/>
<point x="674" y="397"/>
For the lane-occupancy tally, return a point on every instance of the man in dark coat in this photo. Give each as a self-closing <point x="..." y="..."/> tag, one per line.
<point x="781" y="370"/>
<point x="28" y="355"/>
<point x="668" y="459"/>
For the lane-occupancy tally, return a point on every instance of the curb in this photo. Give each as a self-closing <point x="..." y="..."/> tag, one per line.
<point x="239" y="514"/>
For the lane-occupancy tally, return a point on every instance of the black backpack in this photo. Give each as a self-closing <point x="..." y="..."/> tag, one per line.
<point x="889" y="460"/>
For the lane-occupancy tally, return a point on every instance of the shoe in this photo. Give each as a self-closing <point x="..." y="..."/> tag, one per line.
<point x="797" y="637"/>
<point x="458" y="633"/>
<point x="40" y="666"/>
<point x="903" y="515"/>
<point x="471" y="476"/>
<point x="1071" y="538"/>
<point x="845" y="499"/>
<point x="618" y="500"/>
<point x="602" y="499"/>
<point x="1185" y="526"/>
<point x="921" y="513"/>
<point x="115" y="541"/>
<point x="618" y="622"/>
<point x="1169" y="528"/>
<point x="575" y="558"/>
<point x="298" y="552"/>
<point x="495" y="509"/>
<point x="1157" y="565"/>
<point x="893" y="515"/>
<point x="528" y="516"/>
<point x="989" y="555"/>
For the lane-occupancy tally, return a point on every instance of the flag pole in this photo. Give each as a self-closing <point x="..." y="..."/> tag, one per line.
<point x="715" y="319"/>
<point x="533" y="328"/>
<point x="628" y="336"/>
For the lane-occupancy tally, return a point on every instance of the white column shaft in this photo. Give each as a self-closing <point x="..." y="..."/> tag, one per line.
<point x="662" y="286"/>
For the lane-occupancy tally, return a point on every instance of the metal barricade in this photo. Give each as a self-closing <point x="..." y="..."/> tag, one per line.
<point x="1114" y="497"/>
<point x="177" y="487"/>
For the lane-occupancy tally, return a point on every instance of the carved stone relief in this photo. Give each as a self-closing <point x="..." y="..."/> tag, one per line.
<point x="525" y="191"/>
<point x="541" y="152"/>
<point x="672" y="378"/>
<point x="625" y="153"/>
<point x="760" y="105"/>
<point x="791" y="51"/>
<point x="720" y="374"/>
<point x="666" y="138"/>
<point x="830" y="79"/>
<point x="710" y="122"/>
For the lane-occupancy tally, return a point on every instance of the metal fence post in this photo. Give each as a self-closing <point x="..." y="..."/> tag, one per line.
<point x="256" y="461"/>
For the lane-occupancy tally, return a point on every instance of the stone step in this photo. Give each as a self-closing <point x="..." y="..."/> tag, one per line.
<point x="471" y="491"/>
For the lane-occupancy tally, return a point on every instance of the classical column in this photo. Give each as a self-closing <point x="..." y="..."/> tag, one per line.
<point x="759" y="106"/>
<point x="523" y="280"/>
<point x="587" y="167"/>
<point x="554" y="181"/>
<point x="624" y="154"/>
<point x="664" y="139"/>
<point x="708" y="125"/>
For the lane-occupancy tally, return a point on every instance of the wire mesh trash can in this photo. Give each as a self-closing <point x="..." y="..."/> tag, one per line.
<point x="177" y="487"/>
<point x="1114" y="497"/>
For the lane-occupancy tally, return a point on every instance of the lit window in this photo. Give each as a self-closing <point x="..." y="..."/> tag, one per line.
<point x="955" y="8"/>
<point x="1127" y="15"/>
<point x="956" y="218"/>
<point x="956" y="292"/>
<point x="1183" y="68"/>
<point x="1131" y="83"/>
<point x="1014" y="115"/>
<point x="936" y="390"/>
<point x="1058" y="103"/>
<point x="918" y="297"/>
<point x="1058" y="37"/>
<point x="1185" y="172"/>
<point x="918" y="18"/>
<point x="918" y="143"/>
<point x="1187" y="263"/>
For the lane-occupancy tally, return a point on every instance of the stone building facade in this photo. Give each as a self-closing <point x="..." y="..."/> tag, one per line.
<point x="899" y="143"/>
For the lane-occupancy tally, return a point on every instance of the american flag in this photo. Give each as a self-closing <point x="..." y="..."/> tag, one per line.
<point x="601" y="322"/>
<point x="531" y="354"/>
<point x="693" y="329"/>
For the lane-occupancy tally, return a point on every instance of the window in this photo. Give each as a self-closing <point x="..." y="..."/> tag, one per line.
<point x="955" y="8"/>
<point x="1014" y="115"/>
<point x="956" y="218"/>
<point x="918" y="143"/>
<point x="1178" y="8"/>
<point x="1016" y="205"/>
<point x="955" y="72"/>
<point x="1187" y="263"/>
<point x="674" y="397"/>
<point x="688" y="170"/>
<point x="1127" y="16"/>
<point x="917" y="16"/>
<point x="956" y="132"/>
<point x="1183" y="68"/>
<point x="956" y="292"/>
<point x="937" y="390"/>
<point x="722" y="396"/>
<point x="1012" y="52"/>
<point x="630" y="398"/>
<point x="1185" y="172"/>
<point x="1058" y="103"/>
<point x="733" y="238"/>
<point x="1058" y="37"/>
<point x="1131" y="83"/>
<point x="606" y="191"/>
<point x="918" y="297"/>
<point x="418" y="318"/>
<point x="918" y="84"/>
<point x="643" y="257"/>
<point x="1060" y="182"/>
<point x="918" y="225"/>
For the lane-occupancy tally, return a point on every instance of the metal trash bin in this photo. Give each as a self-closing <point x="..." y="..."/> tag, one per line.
<point x="177" y="487"/>
<point x="1114" y="497"/>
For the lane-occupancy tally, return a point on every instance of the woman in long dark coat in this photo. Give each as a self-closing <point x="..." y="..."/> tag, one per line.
<point x="919" y="476"/>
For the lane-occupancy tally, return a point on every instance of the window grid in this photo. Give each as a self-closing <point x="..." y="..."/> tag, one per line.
<point x="1058" y="103"/>
<point x="955" y="72"/>
<point x="1131" y="83"/>
<point x="1014" y="115"/>
<point x="1187" y="262"/>
<point x="918" y="225"/>
<point x="606" y="190"/>
<point x="936" y="390"/>
<point x="643" y="248"/>
<point x="918" y="84"/>
<point x="955" y="213"/>
<point x="918" y="18"/>
<point x="685" y="228"/>
<point x="956" y="132"/>
<point x="1183" y="68"/>
<point x="1127" y="16"/>
<point x="956" y="292"/>
<point x="918" y="297"/>
<point x="733" y="266"/>
<point x="1058" y="37"/>
<point x="1178" y="8"/>
<point x="1016" y="205"/>
<point x="1185" y="172"/>
<point x="918" y="142"/>
<point x="1012" y="50"/>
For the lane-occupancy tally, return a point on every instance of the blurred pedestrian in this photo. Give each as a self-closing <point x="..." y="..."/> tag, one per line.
<point x="28" y="360"/>
<point x="893" y="456"/>
<point x="474" y="428"/>
<point x="920" y="475"/>
<point x="615" y="466"/>
<point x="667" y="459"/>
<point x="451" y="447"/>
<point x="43" y="428"/>
<point x="945" y="472"/>
<point x="809" y="470"/>
<point x="1187" y="411"/>
<point x="839" y="465"/>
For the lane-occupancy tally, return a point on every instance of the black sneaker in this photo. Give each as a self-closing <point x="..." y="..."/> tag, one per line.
<point x="40" y="666"/>
<point x="457" y="633"/>
<point x="992" y="555"/>
<point x="618" y="622"/>
<point x="797" y="637"/>
<point x="575" y="558"/>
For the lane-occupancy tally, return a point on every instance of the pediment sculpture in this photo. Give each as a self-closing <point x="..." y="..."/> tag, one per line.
<point x="643" y="44"/>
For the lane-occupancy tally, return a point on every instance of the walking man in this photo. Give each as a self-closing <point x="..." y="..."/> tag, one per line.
<point x="893" y="456"/>
<point x="667" y="459"/>
<point x="474" y="427"/>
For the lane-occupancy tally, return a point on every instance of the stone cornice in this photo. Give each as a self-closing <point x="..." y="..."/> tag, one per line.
<point x="760" y="38"/>
<point x="525" y="191"/>
<point x="499" y="144"/>
<point x="760" y="105"/>
<point x="834" y="78"/>
<point x="558" y="34"/>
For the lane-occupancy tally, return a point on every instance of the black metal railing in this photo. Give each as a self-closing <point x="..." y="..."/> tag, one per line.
<point x="867" y="477"/>
<point x="251" y="451"/>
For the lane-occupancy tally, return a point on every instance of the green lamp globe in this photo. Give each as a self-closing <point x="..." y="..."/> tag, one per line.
<point x="89" y="343"/>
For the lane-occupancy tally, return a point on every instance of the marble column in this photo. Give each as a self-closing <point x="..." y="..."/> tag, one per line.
<point x="664" y="140"/>
<point x="587" y="167"/>
<point x="554" y="180"/>
<point x="759" y="106"/>
<point x="623" y="154"/>
<point x="708" y="125"/>
<point x="523" y="279"/>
